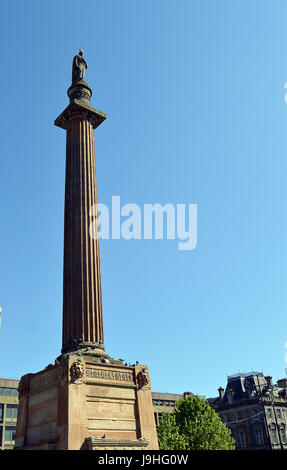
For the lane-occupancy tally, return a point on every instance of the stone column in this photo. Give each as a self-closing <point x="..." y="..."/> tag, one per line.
<point x="86" y="400"/>
<point x="82" y="297"/>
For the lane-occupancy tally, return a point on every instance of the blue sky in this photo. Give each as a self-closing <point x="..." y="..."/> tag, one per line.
<point x="194" y="94"/>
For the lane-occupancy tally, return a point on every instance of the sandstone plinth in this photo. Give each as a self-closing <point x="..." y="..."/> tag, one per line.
<point x="82" y="404"/>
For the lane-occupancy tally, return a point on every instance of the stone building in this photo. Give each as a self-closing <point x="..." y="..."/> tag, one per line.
<point x="255" y="410"/>
<point x="165" y="403"/>
<point x="8" y="412"/>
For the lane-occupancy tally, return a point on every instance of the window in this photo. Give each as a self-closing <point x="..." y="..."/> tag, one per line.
<point x="238" y="416"/>
<point x="155" y="419"/>
<point x="230" y="398"/>
<point x="241" y="439"/>
<point x="283" y="434"/>
<point x="9" y="433"/>
<point x="9" y="392"/>
<point x="269" y="412"/>
<point x="258" y="435"/>
<point x="11" y="412"/>
<point x="1" y="412"/>
<point x="278" y="413"/>
<point x="255" y="414"/>
<point x="274" y="437"/>
<point x="226" y="419"/>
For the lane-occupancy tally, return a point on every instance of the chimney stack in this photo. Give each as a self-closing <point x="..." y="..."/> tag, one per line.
<point x="221" y="392"/>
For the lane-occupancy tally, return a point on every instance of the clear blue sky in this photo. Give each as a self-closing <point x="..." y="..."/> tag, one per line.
<point x="194" y="93"/>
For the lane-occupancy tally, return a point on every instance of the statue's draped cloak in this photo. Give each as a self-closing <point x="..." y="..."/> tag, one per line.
<point x="79" y="68"/>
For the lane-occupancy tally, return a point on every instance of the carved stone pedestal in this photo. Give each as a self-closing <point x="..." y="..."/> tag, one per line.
<point x="80" y="403"/>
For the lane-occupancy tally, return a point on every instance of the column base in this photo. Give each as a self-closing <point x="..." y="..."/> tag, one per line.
<point x="85" y="347"/>
<point x="81" y="403"/>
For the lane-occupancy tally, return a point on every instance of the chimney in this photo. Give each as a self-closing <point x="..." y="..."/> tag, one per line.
<point x="268" y="379"/>
<point x="282" y="383"/>
<point x="221" y="392"/>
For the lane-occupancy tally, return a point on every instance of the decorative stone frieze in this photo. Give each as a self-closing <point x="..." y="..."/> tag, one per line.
<point x="103" y="374"/>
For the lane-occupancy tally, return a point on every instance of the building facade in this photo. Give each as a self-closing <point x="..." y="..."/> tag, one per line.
<point x="255" y="410"/>
<point x="8" y="412"/>
<point x="165" y="403"/>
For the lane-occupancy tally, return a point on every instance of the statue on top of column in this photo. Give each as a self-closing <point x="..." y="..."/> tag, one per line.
<point x="79" y="67"/>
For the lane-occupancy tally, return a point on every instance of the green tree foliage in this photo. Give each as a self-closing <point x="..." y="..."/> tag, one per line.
<point x="194" y="425"/>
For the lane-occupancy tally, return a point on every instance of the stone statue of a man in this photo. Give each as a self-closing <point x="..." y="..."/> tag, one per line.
<point x="79" y="66"/>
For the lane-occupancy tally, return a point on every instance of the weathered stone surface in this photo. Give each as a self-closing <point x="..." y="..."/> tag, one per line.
<point x="94" y="443"/>
<point x="68" y="413"/>
<point x="82" y="298"/>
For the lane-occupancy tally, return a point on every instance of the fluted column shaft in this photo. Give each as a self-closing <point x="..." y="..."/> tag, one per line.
<point x="82" y="298"/>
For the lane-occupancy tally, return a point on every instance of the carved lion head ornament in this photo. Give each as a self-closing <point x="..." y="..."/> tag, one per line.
<point x="76" y="370"/>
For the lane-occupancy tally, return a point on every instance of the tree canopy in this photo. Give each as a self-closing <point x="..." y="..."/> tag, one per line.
<point x="194" y="425"/>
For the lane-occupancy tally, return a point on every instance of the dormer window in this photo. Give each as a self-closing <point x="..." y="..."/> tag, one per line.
<point x="230" y="398"/>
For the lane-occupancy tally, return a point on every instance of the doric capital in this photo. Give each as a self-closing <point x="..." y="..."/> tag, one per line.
<point x="79" y="110"/>
<point x="80" y="107"/>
